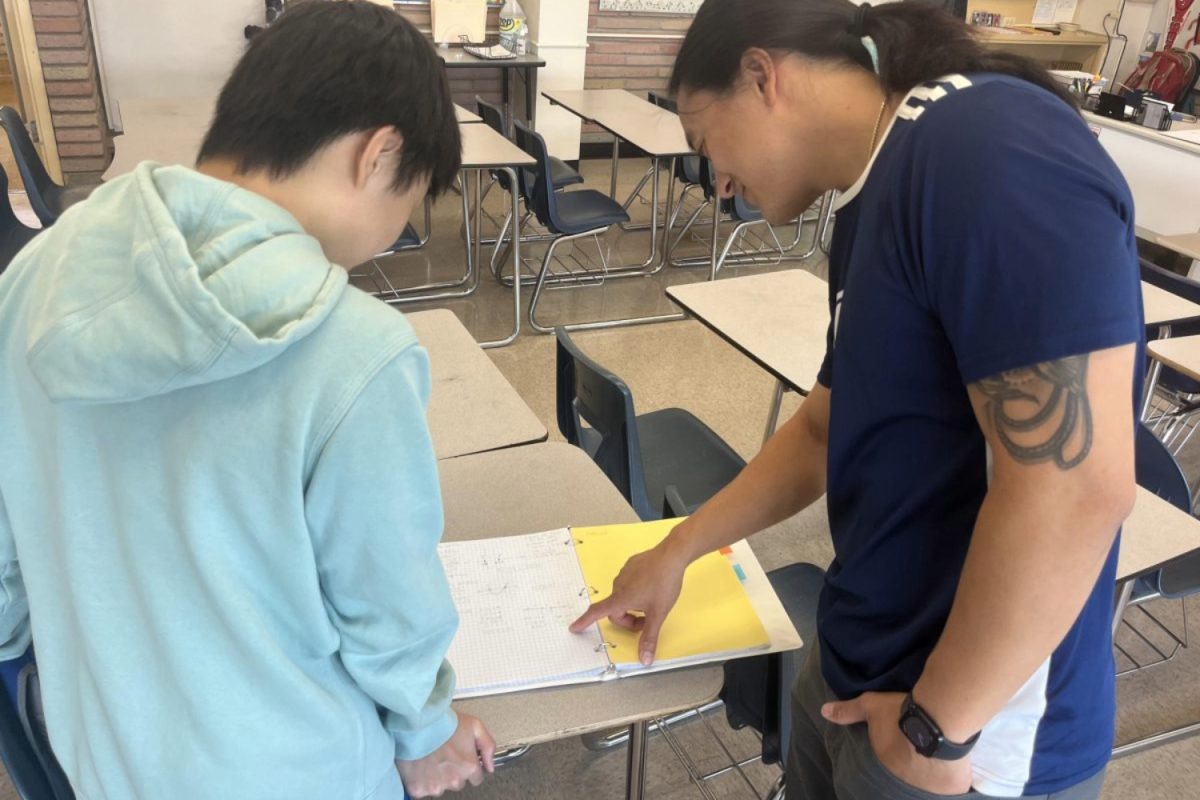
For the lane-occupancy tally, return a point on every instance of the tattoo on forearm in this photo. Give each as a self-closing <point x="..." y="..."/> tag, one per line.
<point x="1041" y="413"/>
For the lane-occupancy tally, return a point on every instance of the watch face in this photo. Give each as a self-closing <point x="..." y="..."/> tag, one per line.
<point x="920" y="734"/>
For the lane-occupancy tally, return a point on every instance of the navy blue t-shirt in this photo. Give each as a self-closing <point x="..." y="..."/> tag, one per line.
<point x="991" y="232"/>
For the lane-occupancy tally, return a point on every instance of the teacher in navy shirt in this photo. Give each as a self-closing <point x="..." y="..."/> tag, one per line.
<point x="972" y="426"/>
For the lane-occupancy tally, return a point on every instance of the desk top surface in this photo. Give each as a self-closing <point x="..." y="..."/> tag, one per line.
<point x="627" y="116"/>
<point x="482" y="147"/>
<point x="778" y="319"/>
<point x="1158" y="137"/>
<point x="537" y="488"/>
<point x="1160" y="306"/>
<point x="472" y="407"/>
<point x="1180" y="353"/>
<point x="456" y="57"/>
<point x="1186" y="243"/>
<point x="462" y="115"/>
<point x="1155" y="533"/>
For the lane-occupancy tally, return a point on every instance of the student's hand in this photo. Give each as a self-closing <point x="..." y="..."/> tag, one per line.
<point x="460" y="761"/>
<point x="643" y="594"/>
<point x="881" y="712"/>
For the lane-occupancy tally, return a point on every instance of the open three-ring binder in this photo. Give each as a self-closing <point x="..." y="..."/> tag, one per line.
<point x="517" y="595"/>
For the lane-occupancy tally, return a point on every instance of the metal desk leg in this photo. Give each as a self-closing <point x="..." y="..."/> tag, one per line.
<point x="506" y="95"/>
<point x="635" y="775"/>
<point x="773" y="414"/>
<point x="1148" y="395"/>
<point x="514" y="195"/>
<point x="1123" y="596"/>
<point x="615" y="164"/>
<point x="531" y="80"/>
<point x="478" y="222"/>
<point x="716" y="234"/>
<point x="670" y="211"/>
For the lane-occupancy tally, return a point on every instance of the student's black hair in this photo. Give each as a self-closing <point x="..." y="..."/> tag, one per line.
<point x="917" y="42"/>
<point x="327" y="69"/>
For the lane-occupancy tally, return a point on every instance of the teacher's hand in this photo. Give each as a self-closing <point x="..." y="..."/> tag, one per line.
<point x="643" y="594"/>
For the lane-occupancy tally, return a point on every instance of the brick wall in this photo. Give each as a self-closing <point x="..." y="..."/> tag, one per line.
<point x="619" y="58"/>
<point x="464" y="83"/>
<point x="68" y="55"/>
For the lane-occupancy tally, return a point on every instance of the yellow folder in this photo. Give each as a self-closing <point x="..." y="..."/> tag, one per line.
<point x="713" y="614"/>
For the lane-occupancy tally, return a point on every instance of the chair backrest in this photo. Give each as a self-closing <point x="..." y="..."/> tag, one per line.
<point x="44" y="193"/>
<point x="588" y="393"/>
<point x="14" y="234"/>
<point x="493" y="117"/>
<point x="24" y="746"/>
<point x="1159" y="472"/>
<point x="538" y="187"/>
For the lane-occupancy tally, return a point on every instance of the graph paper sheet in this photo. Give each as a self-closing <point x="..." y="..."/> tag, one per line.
<point x="516" y="596"/>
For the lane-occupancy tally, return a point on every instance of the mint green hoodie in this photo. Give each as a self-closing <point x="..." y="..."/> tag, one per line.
<point x="219" y="504"/>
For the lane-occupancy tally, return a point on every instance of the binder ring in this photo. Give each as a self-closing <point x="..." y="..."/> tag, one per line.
<point x="605" y="646"/>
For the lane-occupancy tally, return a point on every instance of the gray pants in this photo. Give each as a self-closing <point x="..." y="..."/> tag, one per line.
<point x="827" y="761"/>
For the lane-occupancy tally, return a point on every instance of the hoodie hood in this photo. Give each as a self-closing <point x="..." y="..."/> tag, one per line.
<point x="166" y="278"/>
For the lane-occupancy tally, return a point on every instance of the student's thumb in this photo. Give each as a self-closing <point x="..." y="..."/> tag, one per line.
<point x="485" y="746"/>
<point x="846" y="712"/>
<point x="648" y="642"/>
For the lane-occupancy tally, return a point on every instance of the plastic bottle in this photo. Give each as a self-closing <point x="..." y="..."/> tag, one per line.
<point x="514" y="27"/>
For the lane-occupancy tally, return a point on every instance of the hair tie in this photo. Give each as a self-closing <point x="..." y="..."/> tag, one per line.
<point x="859" y="26"/>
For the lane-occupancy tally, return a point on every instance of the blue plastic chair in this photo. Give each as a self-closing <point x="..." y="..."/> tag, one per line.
<point x="643" y="455"/>
<point x="14" y="234"/>
<point x="565" y="215"/>
<point x="24" y="745"/>
<point x="49" y="199"/>
<point x="561" y="173"/>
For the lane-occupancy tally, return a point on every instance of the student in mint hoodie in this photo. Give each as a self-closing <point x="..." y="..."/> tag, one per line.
<point x="219" y="504"/>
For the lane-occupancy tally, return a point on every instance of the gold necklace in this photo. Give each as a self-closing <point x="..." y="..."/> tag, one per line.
<point x="875" y="133"/>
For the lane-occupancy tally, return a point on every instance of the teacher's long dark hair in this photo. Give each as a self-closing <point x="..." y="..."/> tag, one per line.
<point x="916" y="43"/>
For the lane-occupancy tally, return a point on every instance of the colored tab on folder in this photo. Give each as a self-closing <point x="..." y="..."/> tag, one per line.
<point x="713" y="614"/>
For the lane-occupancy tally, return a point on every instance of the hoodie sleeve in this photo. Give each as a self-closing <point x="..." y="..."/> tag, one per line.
<point x="14" y="608"/>
<point x="374" y="511"/>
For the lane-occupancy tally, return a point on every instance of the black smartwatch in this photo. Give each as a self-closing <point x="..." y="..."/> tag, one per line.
<point x="926" y="737"/>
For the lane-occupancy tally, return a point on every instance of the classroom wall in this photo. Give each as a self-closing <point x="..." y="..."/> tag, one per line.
<point x="630" y="51"/>
<point x="170" y="49"/>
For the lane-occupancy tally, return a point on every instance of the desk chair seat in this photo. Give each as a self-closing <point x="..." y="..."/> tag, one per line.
<point x="586" y="210"/>
<point x="646" y="456"/>
<point x="49" y="199"/>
